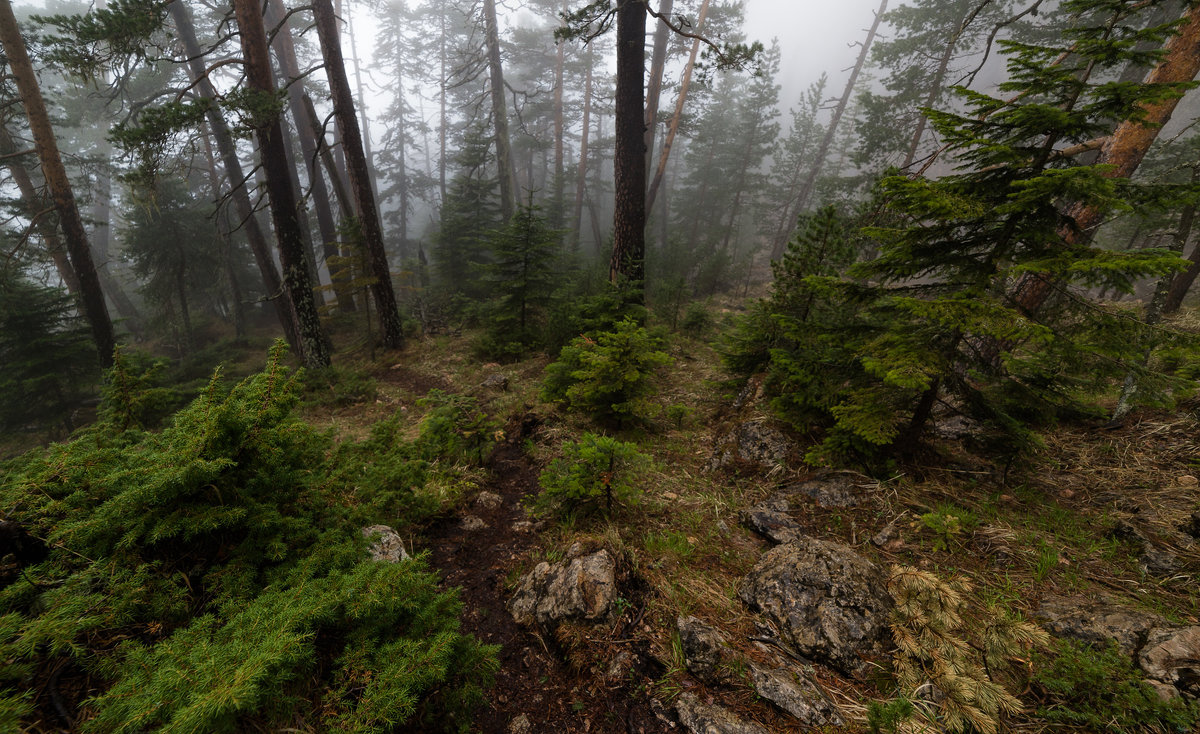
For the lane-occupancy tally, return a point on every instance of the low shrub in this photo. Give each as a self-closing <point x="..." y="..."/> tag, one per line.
<point x="594" y="475"/>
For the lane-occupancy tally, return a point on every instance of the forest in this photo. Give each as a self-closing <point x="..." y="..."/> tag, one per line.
<point x="588" y="366"/>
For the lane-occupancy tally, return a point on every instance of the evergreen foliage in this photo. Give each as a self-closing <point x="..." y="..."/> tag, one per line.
<point x="469" y="217"/>
<point x="935" y="315"/>
<point x="49" y="357"/>
<point x="952" y="680"/>
<point x="456" y="428"/>
<point x="213" y="574"/>
<point x="593" y="474"/>
<point x="608" y="376"/>
<point x="522" y="279"/>
<point x="1082" y="686"/>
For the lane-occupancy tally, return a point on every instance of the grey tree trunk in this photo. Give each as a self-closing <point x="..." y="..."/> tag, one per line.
<point x="75" y="236"/>
<point x="391" y="329"/>
<point x="288" y="235"/>
<point x="504" y="162"/>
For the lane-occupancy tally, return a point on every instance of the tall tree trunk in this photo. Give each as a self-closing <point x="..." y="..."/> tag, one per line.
<point x="297" y="287"/>
<point x="226" y="233"/>
<point x="227" y="150"/>
<point x="658" y="62"/>
<point x="675" y="118"/>
<point x="557" y="211"/>
<point x="581" y="174"/>
<point x="310" y="262"/>
<point x="101" y="214"/>
<point x="504" y="162"/>
<point x="362" y="104"/>
<point x="629" y="155"/>
<point x="935" y="89"/>
<point x="391" y="330"/>
<point x="91" y="293"/>
<point x="443" y="115"/>
<point x="818" y="163"/>
<point x="1127" y="147"/>
<point x="307" y="130"/>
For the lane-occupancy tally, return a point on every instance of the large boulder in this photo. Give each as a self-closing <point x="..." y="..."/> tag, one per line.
<point x="1172" y="656"/>
<point x="826" y="601"/>
<point x="1097" y="621"/>
<point x="581" y="588"/>
<point x="835" y="489"/>
<point x="701" y="718"/>
<point x="752" y="442"/>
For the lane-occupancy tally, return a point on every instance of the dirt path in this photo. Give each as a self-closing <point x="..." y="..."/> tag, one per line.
<point x="532" y="680"/>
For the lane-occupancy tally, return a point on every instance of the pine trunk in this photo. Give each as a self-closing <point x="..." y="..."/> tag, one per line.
<point x="290" y="239"/>
<point x="658" y="62"/>
<point x="629" y="156"/>
<point x="391" y="330"/>
<point x="814" y="173"/>
<point x="75" y="236"/>
<point x="504" y="162"/>
<point x="675" y="119"/>
<point x="581" y="174"/>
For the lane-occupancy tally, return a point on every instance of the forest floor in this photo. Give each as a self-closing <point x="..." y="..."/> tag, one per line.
<point x="1075" y="516"/>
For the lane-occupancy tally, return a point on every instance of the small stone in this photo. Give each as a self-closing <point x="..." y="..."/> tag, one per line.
<point x="388" y="546"/>
<point x="1066" y="494"/>
<point x="705" y="651"/>
<point x="471" y="523"/>
<point x="520" y="725"/>
<point x="1187" y="480"/>
<point x="496" y="381"/>
<point x="1172" y="656"/>
<point x="798" y="697"/>
<point x="701" y="718"/>
<point x="691" y="540"/>
<point x="889" y="533"/>
<point x="489" y="500"/>
<point x="835" y="489"/>
<point x="670" y="496"/>
<point x="576" y="549"/>
<point x="619" y="665"/>
<point x="771" y="524"/>
<point x="522" y="526"/>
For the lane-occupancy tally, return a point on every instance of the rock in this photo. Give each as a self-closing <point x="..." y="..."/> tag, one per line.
<point x="775" y="526"/>
<point x="581" y="588"/>
<point x="754" y="442"/>
<point x="889" y="533"/>
<point x="1172" y="655"/>
<point x="699" y="718"/>
<point x="835" y="489"/>
<point x="620" y="665"/>
<point x="956" y="428"/>
<point x="705" y="652"/>
<point x="1164" y="691"/>
<point x="522" y="526"/>
<point x="1192" y="525"/>
<point x="471" y="523"/>
<point x="801" y="699"/>
<point x="488" y="500"/>
<point x="826" y="601"/>
<point x="1187" y="480"/>
<point x="1153" y="559"/>
<point x="388" y="546"/>
<point x="495" y="381"/>
<point x="1097" y="621"/>
<point x="520" y="725"/>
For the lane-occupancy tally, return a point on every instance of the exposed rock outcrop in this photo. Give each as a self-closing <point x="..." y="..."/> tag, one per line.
<point x="827" y="602"/>
<point x="705" y="652"/>
<point x="752" y="442"/>
<point x="1098" y="620"/>
<point x="581" y="588"/>
<point x="795" y="695"/>
<point x="1172" y="656"/>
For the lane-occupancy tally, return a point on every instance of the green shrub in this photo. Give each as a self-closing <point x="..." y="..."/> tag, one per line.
<point x="456" y="428"/>
<point x="608" y="376"/>
<point x="697" y="321"/>
<point x="593" y="475"/>
<point x="1083" y="687"/>
<point x="337" y="387"/>
<point x="209" y="578"/>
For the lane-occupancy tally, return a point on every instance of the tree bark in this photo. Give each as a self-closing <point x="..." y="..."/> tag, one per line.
<point x="365" y="130"/>
<point x="629" y="156"/>
<point x="658" y="62"/>
<point x="581" y="174"/>
<point x="675" y="119"/>
<point x="557" y="212"/>
<point x="235" y="290"/>
<point x="391" y="330"/>
<point x="313" y="352"/>
<point x="308" y="130"/>
<point x="1127" y="146"/>
<point x="504" y="162"/>
<point x="227" y="150"/>
<point x="78" y="250"/>
<point x="814" y="173"/>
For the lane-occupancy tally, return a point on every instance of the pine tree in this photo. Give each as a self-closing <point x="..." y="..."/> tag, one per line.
<point x="523" y="278"/>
